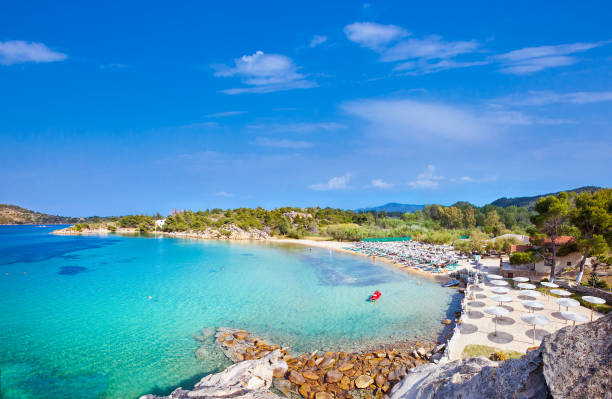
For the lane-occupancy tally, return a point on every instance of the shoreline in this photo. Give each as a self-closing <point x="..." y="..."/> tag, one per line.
<point x="324" y="244"/>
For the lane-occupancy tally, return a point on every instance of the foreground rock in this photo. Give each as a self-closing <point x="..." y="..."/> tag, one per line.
<point x="250" y="379"/>
<point x="574" y="362"/>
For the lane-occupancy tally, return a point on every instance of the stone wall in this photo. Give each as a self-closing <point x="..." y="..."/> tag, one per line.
<point x="585" y="290"/>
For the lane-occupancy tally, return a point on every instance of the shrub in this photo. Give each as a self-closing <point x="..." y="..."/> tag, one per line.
<point x="498" y="356"/>
<point x="521" y="258"/>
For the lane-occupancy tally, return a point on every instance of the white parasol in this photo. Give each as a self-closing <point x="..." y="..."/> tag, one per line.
<point x="593" y="300"/>
<point x="499" y="282"/>
<point x="496" y="311"/>
<point x="501" y="299"/>
<point x="499" y="290"/>
<point x="530" y="293"/>
<point x="535" y="320"/>
<point x="533" y="305"/>
<point x="526" y="286"/>
<point x="575" y="317"/>
<point x="520" y="279"/>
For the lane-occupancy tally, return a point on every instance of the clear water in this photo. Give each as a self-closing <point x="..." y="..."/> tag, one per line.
<point x="113" y="317"/>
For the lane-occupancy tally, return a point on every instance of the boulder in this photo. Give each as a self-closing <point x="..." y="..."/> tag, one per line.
<point x="333" y="376"/>
<point x="296" y="378"/>
<point x="363" y="381"/>
<point x="250" y="379"/>
<point x="323" y="395"/>
<point x="241" y="335"/>
<point x="574" y="362"/>
<point x="310" y="375"/>
<point x="578" y="360"/>
<point x="345" y="367"/>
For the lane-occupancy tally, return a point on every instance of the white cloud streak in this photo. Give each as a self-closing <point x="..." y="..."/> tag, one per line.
<point x="380" y="183"/>
<point x="427" y="179"/>
<point x="402" y="119"/>
<point x="374" y="36"/>
<point x="225" y="114"/>
<point x="282" y="143"/>
<point x="335" y="183"/>
<point x="264" y="73"/>
<point x="19" y="52"/>
<point x="534" y="59"/>
<point x="317" y="40"/>
<point x="303" y="127"/>
<point x="541" y="98"/>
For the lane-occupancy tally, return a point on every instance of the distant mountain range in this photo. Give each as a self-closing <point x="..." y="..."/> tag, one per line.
<point x="529" y="202"/>
<point x="393" y="207"/>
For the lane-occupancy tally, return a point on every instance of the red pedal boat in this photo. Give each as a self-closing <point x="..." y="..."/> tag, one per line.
<point x="375" y="296"/>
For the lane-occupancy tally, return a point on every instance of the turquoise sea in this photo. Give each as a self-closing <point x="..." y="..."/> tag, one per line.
<point x="114" y="316"/>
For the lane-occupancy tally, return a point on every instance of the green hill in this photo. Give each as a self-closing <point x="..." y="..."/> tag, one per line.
<point x="13" y="214"/>
<point x="529" y="202"/>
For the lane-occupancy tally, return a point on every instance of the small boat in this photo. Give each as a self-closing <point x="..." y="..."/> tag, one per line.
<point x="450" y="283"/>
<point x="375" y="296"/>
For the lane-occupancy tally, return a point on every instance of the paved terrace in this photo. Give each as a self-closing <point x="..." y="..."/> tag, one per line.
<point x="512" y="332"/>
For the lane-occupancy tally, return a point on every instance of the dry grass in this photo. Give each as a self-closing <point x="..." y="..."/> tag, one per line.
<point x="486" y="351"/>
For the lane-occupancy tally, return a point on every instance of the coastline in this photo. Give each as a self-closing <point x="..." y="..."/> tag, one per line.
<point x="325" y="244"/>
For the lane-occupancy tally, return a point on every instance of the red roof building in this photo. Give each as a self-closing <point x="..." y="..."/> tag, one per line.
<point x="561" y="240"/>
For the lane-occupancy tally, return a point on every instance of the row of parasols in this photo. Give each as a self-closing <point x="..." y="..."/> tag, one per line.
<point x="528" y="291"/>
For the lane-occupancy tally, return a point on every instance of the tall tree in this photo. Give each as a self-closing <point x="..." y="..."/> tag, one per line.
<point x="592" y="215"/>
<point x="551" y="218"/>
<point x="469" y="220"/>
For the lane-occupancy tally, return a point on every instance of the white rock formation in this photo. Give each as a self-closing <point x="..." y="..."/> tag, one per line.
<point x="250" y="379"/>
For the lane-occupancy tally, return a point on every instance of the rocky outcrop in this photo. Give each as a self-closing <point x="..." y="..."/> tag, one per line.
<point x="250" y="379"/>
<point x="578" y="361"/>
<point x="574" y="362"/>
<point x="476" y="377"/>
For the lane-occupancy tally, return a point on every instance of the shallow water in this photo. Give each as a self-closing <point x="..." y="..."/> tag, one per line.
<point x="113" y="316"/>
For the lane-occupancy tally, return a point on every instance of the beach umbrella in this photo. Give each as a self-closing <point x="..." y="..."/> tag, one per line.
<point x="535" y="320"/>
<point x="501" y="298"/>
<point x="530" y="293"/>
<point x="526" y="286"/>
<point x="560" y="292"/>
<point x="533" y="305"/>
<point x="496" y="311"/>
<point x="593" y="300"/>
<point x="499" y="282"/>
<point x="494" y="277"/>
<point x="567" y="302"/>
<point x="520" y="279"/>
<point x="499" y="290"/>
<point x="575" y="317"/>
<point x="548" y="285"/>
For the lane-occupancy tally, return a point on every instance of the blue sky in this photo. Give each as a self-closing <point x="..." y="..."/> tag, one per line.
<point x="111" y="108"/>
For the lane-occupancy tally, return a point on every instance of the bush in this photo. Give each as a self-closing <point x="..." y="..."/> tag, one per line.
<point x="595" y="281"/>
<point x="111" y="227"/>
<point x="521" y="258"/>
<point x="498" y="356"/>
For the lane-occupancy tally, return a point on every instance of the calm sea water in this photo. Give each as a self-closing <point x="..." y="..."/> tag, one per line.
<point x="114" y="317"/>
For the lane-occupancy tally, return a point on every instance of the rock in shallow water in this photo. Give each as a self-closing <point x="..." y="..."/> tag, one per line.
<point x="245" y="380"/>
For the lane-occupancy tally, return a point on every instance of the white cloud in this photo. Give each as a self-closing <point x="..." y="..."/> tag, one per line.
<point x="264" y="73"/>
<point x="282" y="143"/>
<point x="303" y="127"/>
<point x="335" y="183"/>
<point x="372" y="35"/>
<point x="380" y="183"/>
<point x="427" y="179"/>
<point x="224" y="194"/>
<point x="534" y="59"/>
<point x="316" y="40"/>
<point x="427" y="55"/>
<point x="512" y="117"/>
<point x="431" y="47"/>
<point x="425" y="67"/>
<point x="539" y="98"/>
<point x="226" y="113"/>
<point x="19" y="51"/>
<point x="402" y="119"/>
